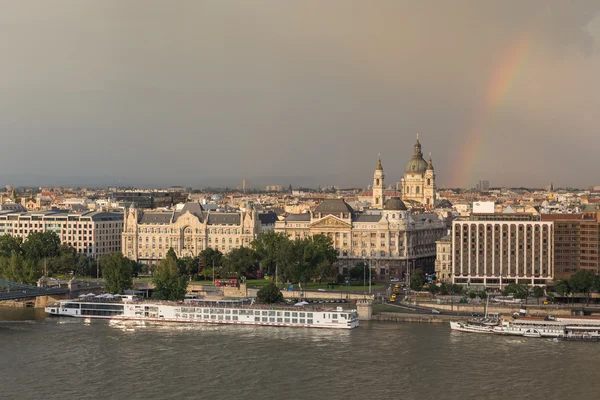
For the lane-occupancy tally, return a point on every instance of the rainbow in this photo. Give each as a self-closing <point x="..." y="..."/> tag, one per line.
<point x="502" y="79"/>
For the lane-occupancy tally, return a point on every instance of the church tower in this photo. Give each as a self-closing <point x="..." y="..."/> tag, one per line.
<point x="429" y="185"/>
<point x="378" y="188"/>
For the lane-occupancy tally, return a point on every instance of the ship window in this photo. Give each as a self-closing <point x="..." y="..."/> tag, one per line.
<point x="302" y="320"/>
<point x="220" y="318"/>
<point x="287" y="314"/>
<point x="294" y="314"/>
<point x="279" y="319"/>
<point x="294" y="320"/>
<point x="271" y="313"/>
<point x="302" y="315"/>
<point x="287" y="320"/>
<point x="235" y="317"/>
<point x="309" y="321"/>
<point x="264" y="313"/>
<point x="213" y="317"/>
<point x="227" y="311"/>
<point x="234" y="312"/>
<point x="256" y="312"/>
<point x="309" y="315"/>
<point x="264" y="319"/>
<point x="279" y="313"/>
<point x="228" y="317"/>
<point x="271" y="319"/>
<point x="334" y="316"/>
<point x="256" y="319"/>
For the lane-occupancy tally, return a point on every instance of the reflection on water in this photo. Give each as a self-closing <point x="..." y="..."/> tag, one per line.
<point x="92" y="359"/>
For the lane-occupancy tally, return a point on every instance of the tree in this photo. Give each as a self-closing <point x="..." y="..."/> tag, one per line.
<point x="583" y="281"/>
<point x="434" y="289"/>
<point x="17" y="269"/>
<point x="518" y="290"/>
<point x="188" y="265"/>
<point x="270" y="294"/>
<point x="444" y="289"/>
<point x="267" y="245"/>
<point x="209" y="258"/>
<point x="9" y="244"/>
<point x="40" y="245"/>
<point x="169" y="284"/>
<point x="417" y="279"/>
<point x="241" y="262"/>
<point x="117" y="272"/>
<point x="357" y="271"/>
<point x="538" y="293"/>
<point x="171" y="254"/>
<point x="562" y="287"/>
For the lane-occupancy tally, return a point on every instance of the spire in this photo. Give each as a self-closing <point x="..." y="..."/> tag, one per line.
<point x="379" y="167"/>
<point x="429" y="163"/>
<point x="417" y="152"/>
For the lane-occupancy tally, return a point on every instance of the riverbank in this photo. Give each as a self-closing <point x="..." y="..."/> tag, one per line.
<point x="415" y="318"/>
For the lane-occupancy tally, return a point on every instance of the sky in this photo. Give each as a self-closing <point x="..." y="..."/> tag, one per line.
<point x="198" y="93"/>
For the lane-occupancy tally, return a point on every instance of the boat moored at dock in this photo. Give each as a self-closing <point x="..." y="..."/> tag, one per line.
<point x="133" y="308"/>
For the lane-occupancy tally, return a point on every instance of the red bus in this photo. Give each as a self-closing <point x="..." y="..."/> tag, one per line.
<point x="226" y="282"/>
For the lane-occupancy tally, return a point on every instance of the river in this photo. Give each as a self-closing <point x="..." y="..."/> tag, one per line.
<point x="63" y="358"/>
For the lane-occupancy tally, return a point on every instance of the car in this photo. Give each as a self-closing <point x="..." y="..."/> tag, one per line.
<point x="321" y="290"/>
<point x="435" y="311"/>
<point x="394" y="280"/>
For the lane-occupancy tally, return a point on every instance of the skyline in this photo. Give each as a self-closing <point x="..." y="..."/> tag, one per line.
<point x="217" y="92"/>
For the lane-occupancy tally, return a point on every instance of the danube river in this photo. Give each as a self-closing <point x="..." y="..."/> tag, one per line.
<point x="62" y="358"/>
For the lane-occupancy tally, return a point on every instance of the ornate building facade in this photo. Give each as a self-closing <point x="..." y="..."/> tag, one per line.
<point x="390" y="240"/>
<point x="418" y="183"/>
<point x="148" y="235"/>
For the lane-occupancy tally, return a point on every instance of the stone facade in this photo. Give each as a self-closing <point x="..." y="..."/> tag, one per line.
<point x="443" y="259"/>
<point x="389" y="240"/>
<point x="148" y="235"/>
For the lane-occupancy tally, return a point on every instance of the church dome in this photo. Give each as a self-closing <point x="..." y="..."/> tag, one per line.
<point x="416" y="166"/>
<point x="394" y="204"/>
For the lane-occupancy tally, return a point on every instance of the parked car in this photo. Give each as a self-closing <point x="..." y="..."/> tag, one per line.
<point x="394" y="280"/>
<point x="435" y="311"/>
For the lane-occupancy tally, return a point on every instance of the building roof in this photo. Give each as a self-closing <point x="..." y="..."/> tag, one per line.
<point x="395" y="203"/>
<point x="224" y="219"/>
<point x="194" y="208"/>
<point x="367" y="218"/>
<point x="298" y="217"/>
<point x="447" y="238"/>
<point x="156" y="218"/>
<point x="443" y="204"/>
<point x="267" y="218"/>
<point x="333" y="206"/>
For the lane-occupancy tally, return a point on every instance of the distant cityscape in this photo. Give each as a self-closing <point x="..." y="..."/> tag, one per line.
<point x="483" y="236"/>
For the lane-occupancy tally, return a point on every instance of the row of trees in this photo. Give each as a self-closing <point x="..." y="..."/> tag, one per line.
<point x="583" y="281"/>
<point x="41" y="253"/>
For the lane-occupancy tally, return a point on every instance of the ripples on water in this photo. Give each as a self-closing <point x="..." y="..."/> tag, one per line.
<point x="62" y="358"/>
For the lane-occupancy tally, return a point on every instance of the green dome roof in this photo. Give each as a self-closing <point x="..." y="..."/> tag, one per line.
<point x="416" y="166"/>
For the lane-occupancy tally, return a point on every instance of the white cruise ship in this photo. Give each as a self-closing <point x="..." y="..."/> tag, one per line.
<point x="131" y="308"/>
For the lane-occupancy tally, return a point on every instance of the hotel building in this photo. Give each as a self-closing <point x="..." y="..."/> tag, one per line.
<point x="498" y="249"/>
<point x="148" y="235"/>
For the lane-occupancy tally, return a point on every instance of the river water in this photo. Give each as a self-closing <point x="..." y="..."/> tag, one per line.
<point x="68" y="358"/>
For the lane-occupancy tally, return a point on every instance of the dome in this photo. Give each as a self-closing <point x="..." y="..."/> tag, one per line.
<point x="394" y="204"/>
<point x="416" y="166"/>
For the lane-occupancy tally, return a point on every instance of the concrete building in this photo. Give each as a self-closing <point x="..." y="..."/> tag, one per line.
<point x="497" y="249"/>
<point x="90" y="233"/>
<point x="443" y="259"/>
<point x="390" y="240"/>
<point x="148" y="235"/>
<point x="576" y="242"/>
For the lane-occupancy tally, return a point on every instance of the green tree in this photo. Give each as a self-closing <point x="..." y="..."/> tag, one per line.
<point x="562" y="287"/>
<point x="482" y="295"/>
<point x="188" y="265"/>
<point x="417" y="279"/>
<point x="169" y="284"/>
<point x="356" y="272"/>
<point x="171" y="254"/>
<point x="517" y="290"/>
<point x="433" y="289"/>
<point x="538" y="293"/>
<point x="444" y="289"/>
<point x="40" y="245"/>
<point x="269" y="294"/>
<point x="472" y="294"/>
<point x="9" y="244"/>
<point x="117" y="272"/>
<point x="207" y="259"/>
<point x="267" y="245"/>
<point x="241" y="262"/>
<point x="583" y="281"/>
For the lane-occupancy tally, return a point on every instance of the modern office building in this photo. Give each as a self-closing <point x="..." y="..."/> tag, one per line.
<point x="576" y="242"/>
<point x="91" y="233"/>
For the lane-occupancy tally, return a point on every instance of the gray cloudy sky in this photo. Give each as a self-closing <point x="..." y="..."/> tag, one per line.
<point x="308" y="92"/>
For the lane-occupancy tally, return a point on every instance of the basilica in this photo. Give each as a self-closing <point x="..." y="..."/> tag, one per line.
<point x="416" y="188"/>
